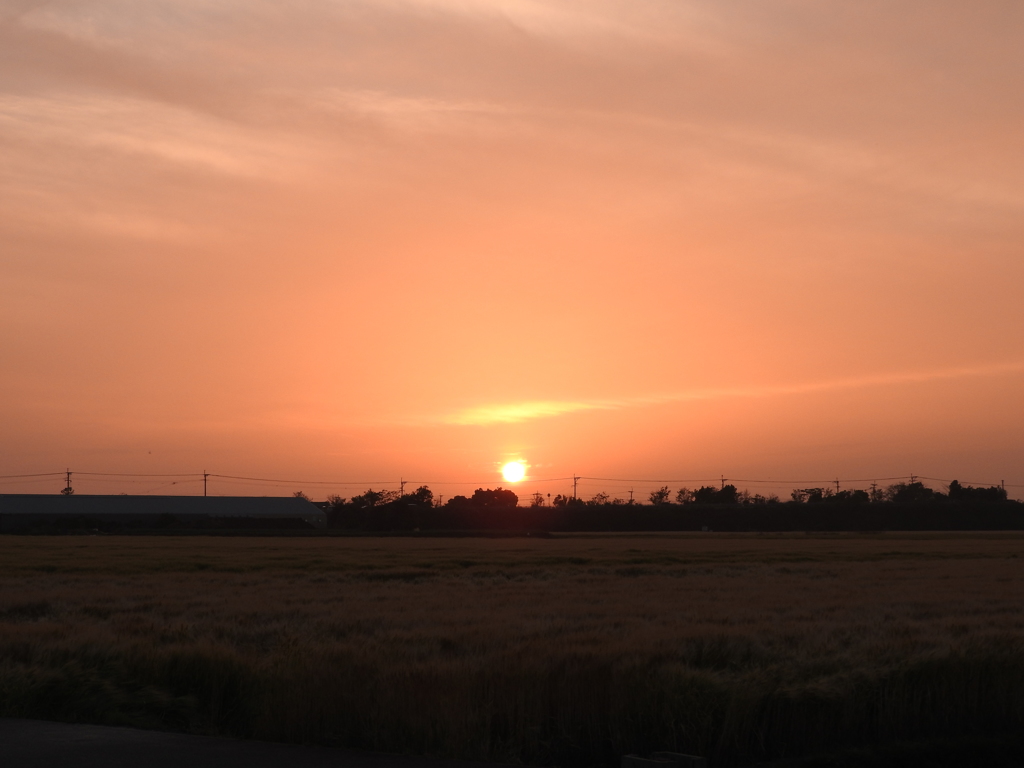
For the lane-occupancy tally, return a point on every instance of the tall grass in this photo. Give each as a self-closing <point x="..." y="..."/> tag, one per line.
<point x="566" y="651"/>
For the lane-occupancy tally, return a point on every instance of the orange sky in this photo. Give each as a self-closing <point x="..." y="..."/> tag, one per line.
<point x="415" y="238"/>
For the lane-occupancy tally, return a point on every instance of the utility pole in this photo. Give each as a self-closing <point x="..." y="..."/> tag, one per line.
<point x="401" y="491"/>
<point x="913" y="478"/>
<point x="837" y="485"/>
<point x="575" y="479"/>
<point x="205" y="475"/>
<point x="723" y="482"/>
<point x="630" y="495"/>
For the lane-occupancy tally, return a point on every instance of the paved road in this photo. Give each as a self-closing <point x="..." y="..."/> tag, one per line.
<point x="40" y="744"/>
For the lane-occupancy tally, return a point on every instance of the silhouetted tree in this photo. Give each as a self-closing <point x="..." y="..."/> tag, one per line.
<point x="537" y="500"/>
<point x="728" y="495"/>
<point x="336" y="517"/>
<point x="374" y="498"/>
<point x="851" y="497"/>
<point x="828" y="496"/>
<point x="421" y="497"/>
<point x="499" y="498"/>
<point x="684" y="496"/>
<point x="811" y="495"/>
<point x="959" y="492"/>
<point x="566" y="501"/>
<point x="660" y="496"/>
<point x="708" y="494"/>
<point x="905" y="493"/>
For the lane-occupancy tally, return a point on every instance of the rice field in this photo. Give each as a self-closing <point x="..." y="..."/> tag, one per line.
<point x="566" y="650"/>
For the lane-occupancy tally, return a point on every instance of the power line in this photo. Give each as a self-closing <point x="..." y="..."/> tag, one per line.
<point x="37" y="474"/>
<point x="303" y="482"/>
<point x="139" y="474"/>
<point x="251" y="484"/>
<point x="818" y="481"/>
<point x="185" y="477"/>
<point x="970" y="482"/>
<point x="134" y="480"/>
<point x="381" y="482"/>
<point x="22" y="481"/>
<point x="486" y="482"/>
<point x="745" y="480"/>
<point x="829" y="481"/>
<point x="644" y="480"/>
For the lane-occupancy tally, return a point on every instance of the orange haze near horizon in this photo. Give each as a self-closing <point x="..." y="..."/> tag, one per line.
<point x="423" y="238"/>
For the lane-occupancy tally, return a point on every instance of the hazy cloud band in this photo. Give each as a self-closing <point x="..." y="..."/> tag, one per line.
<point x="517" y="412"/>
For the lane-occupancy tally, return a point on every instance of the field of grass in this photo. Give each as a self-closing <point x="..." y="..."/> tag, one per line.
<point x="551" y="651"/>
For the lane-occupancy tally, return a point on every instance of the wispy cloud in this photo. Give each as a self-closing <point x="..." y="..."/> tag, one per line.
<point x="141" y="128"/>
<point x="517" y="412"/>
<point x="413" y="114"/>
<point x="538" y="409"/>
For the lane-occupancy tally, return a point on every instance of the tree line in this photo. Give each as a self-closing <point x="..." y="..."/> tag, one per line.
<point x="910" y="506"/>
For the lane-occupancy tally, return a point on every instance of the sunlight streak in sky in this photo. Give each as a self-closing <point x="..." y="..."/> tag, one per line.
<point x="516" y="412"/>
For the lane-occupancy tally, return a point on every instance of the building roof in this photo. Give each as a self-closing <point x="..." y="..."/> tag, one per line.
<point x="143" y="506"/>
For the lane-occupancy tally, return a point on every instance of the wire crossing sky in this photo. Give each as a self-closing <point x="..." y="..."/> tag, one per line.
<point x="681" y="238"/>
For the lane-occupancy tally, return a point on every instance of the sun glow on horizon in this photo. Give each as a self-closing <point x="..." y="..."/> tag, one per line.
<point x="514" y="471"/>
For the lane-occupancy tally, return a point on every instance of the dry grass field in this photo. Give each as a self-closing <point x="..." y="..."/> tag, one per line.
<point x="564" y="651"/>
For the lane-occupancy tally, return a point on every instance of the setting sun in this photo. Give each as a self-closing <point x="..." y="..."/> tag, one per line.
<point x="514" y="471"/>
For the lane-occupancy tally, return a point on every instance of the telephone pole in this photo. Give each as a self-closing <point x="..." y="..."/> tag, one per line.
<point x="401" y="491"/>
<point x="205" y="475"/>
<point x="575" y="479"/>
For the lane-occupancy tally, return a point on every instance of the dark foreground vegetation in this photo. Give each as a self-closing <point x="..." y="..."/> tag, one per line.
<point x="902" y="507"/>
<point x="896" y="649"/>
